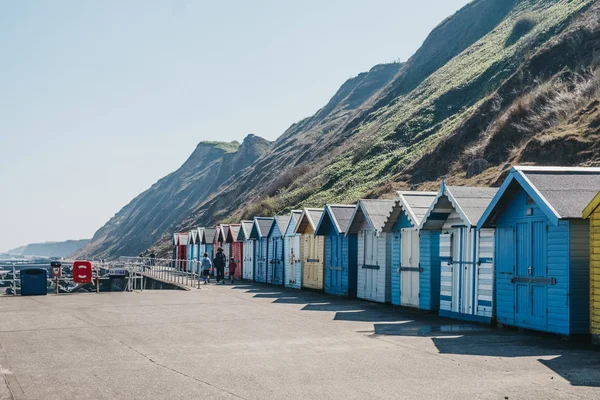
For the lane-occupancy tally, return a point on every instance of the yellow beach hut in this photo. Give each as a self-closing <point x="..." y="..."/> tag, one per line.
<point x="592" y="211"/>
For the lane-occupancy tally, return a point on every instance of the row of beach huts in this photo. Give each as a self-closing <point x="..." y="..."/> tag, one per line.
<point x="526" y="254"/>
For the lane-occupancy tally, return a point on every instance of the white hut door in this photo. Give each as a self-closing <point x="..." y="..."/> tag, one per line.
<point x="409" y="267"/>
<point x="370" y="262"/>
<point x="249" y="257"/>
<point x="457" y="269"/>
<point x="297" y="261"/>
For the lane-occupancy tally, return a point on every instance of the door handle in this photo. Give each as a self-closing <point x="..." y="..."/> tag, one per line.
<point x="530" y="270"/>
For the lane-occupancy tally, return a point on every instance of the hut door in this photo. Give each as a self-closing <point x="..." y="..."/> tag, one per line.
<point x="409" y="267"/>
<point x="275" y="260"/>
<point x="260" y="258"/>
<point x="335" y="263"/>
<point x="370" y="264"/>
<point x="531" y="295"/>
<point x="297" y="265"/>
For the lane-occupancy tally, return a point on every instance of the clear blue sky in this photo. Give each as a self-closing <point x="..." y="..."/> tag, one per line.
<point x="98" y="100"/>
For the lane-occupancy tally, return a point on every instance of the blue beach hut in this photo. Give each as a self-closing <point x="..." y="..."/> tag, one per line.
<point x="466" y="254"/>
<point x="407" y="273"/>
<point x="209" y="241"/>
<point x="340" y="250"/>
<point x="259" y="232"/>
<point x="201" y="247"/>
<point x="275" y="267"/>
<point x="370" y="223"/>
<point x="542" y="248"/>
<point x="291" y="249"/>
<point x="248" y="252"/>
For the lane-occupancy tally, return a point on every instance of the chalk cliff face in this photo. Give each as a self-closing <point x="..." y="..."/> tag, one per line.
<point x="499" y="82"/>
<point x="161" y="208"/>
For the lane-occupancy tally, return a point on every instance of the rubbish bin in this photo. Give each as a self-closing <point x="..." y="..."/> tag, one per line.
<point x="33" y="282"/>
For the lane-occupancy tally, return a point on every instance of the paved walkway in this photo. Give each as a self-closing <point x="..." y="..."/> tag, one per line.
<point x="261" y="342"/>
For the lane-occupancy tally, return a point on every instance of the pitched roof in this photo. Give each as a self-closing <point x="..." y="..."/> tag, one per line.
<point x="415" y="204"/>
<point x="223" y="232"/>
<point x="261" y="227"/>
<point x="468" y="201"/>
<point x="209" y="235"/>
<point x="234" y="230"/>
<point x="310" y="217"/>
<point x="594" y="204"/>
<point x="375" y="212"/>
<point x="339" y="215"/>
<point x="183" y="238"/>
<point x="245" y="229"/>
<point x="560" y="192"/>
<point x="282" y="222"/>
<point x="175" y="239"/>
<point x="192" y="236"/>
<point x="294" y="217"/>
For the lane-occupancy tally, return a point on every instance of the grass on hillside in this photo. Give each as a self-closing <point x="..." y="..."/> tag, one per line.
<point x="402" y="132"/>
<point x="228" y="147"/>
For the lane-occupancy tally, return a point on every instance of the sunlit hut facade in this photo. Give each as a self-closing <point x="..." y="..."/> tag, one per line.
<point x="293" y="252"/>
<point x="466" y="254"/>
<point x="236" y="249"/>
<point x="222" y="232"/>
<point x="182" y="249"/>
<point x="542" y="248"/>
<point x="374" y="248"/>
<point x="592" y="213"/>
<point x="312" y="248"/>
<point x="340" y="250"/>
<point x="259" y="232"/>
<point x="200" y="243"/>
<point x="209" y="241"/>
<point x="408" y="275"/>
<point x="248" y="251"/>
<point x="275" y="267"/>
<point x="191" y="248"/>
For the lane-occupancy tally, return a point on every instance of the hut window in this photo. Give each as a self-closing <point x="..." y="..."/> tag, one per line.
<point x="529" y="199"/>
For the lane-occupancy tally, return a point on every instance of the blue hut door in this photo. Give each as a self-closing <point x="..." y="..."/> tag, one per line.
<point x="335" y="264"/>
<point x="531" y="291"/>
<point x="409" y="268"/>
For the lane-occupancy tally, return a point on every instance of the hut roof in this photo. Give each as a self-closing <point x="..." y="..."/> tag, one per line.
<point x="261" y="227"/>
<point x="375" y="212"/>
<point x="310" y="217"/>
<point x="232" y="235"/>
<point x="415" y="204"/>
<point x="209" y="235"/>
<point x="560" y="192"/>
<point x="594" y="204"/>
<point x="339" y="214"/>
<point x="468" y="201"/>
<point x="245" y="230"/>
<point x="282" y="222"/>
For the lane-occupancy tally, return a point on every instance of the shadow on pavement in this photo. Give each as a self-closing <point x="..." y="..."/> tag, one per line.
<point x="577" y="362"/>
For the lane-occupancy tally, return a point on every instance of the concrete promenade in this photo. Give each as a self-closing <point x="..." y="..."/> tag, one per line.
<point x="252" y="341"/>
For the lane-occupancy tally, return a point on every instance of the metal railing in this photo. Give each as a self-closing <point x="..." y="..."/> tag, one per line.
<point x="179" y="272"/>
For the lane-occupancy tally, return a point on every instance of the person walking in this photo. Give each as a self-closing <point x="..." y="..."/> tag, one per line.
<point x="219" y="263"/>
<point x="232" y="268"/>
<point x="206" y="266"/>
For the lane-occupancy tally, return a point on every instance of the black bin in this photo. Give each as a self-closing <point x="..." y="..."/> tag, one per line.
<point x="33" y="282"/>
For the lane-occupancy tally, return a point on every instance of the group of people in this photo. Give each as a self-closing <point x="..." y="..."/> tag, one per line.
<point x="219" y="263"/>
